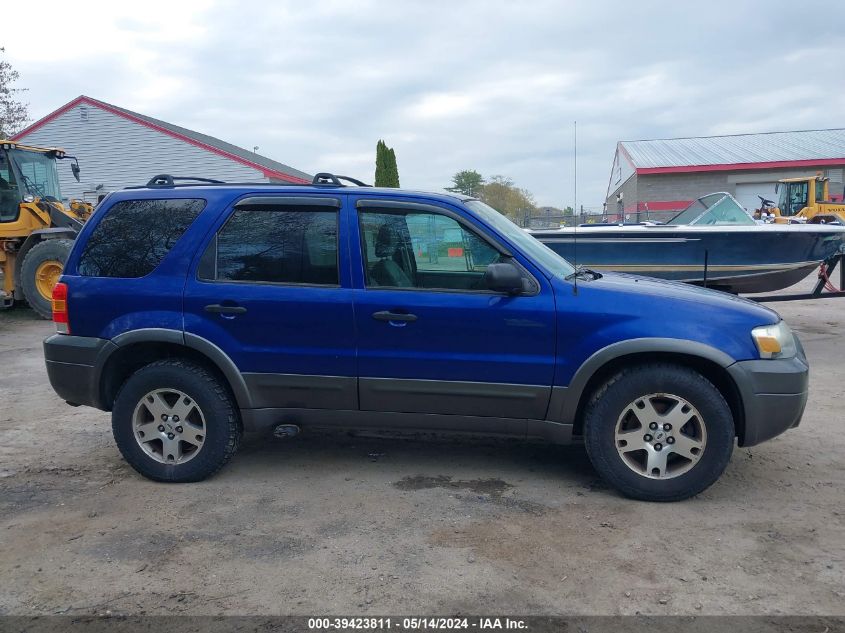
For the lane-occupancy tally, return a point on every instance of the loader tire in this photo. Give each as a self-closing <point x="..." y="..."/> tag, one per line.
<point x="41" y="269"/>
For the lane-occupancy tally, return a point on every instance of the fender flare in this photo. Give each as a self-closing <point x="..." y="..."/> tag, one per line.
<point x="565" y="400"/>
<point x="205" y="347"/>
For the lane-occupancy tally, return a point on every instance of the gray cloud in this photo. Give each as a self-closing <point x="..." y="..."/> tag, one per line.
<point x="493" y="86"/>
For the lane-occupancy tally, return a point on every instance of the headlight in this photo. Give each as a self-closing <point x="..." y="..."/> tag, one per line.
<point x="774" y="341"/>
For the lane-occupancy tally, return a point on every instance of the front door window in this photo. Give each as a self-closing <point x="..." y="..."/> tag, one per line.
<point x="422" y="250"/>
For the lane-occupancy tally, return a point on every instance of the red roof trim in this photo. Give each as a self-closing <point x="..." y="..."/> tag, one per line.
<point x="818" y="162"/>
<point x="269" y="173"/>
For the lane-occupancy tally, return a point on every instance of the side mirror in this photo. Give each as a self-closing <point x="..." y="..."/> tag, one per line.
<point x="503" y="278"/>
<point x="75" y="169"/>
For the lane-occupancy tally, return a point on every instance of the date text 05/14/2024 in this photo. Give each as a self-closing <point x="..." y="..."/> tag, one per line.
<point x="416" y="623"/>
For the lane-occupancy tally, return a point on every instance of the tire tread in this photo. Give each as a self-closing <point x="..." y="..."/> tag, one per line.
<point x="233" y="425"/>
<point x="601" y="459"/>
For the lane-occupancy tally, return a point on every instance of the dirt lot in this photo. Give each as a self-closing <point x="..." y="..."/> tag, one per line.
<point x="339" y="524"/>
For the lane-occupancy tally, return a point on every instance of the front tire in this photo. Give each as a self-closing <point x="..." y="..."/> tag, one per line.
<point x="42" y="266"/>
<point x="659" y="432"/>
<point x="174" y="421"/>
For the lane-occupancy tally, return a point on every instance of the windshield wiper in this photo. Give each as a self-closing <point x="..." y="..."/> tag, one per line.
<point x="584" y="273"/>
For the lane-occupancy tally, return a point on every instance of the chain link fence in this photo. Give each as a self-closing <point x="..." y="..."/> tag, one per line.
<point x="595" y="215"/>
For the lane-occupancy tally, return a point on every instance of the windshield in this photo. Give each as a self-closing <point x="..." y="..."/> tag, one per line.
<point x="715" y="209"/>
<point x="536" y="250"/>
<point x="38" y="173"/>
<point x="793" y="197"/>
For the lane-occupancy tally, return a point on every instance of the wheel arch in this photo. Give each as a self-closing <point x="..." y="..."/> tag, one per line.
<point x="596" y="370"/>
<point x="138" y="348"/>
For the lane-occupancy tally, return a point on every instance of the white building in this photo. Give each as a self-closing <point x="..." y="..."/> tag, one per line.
<point x="117" y="148"/>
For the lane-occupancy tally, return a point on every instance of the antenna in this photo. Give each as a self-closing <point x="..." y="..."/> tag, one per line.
<point x="575" y="202"/>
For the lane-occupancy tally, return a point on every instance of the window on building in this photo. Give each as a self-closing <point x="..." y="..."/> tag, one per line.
<point x="284" y="244"/>
<point x="135" y="236"/>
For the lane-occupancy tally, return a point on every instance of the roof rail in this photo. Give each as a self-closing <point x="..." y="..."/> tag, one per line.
<point x="166" y="180"/>
<point x="325" y="178"/>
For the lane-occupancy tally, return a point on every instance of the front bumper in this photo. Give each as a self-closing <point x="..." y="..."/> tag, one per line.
<point x="774" y="394"/>
<point x="74" y="365"/>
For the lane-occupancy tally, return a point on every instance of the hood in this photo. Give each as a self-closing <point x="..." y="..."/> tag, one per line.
<point x="675" y="291"/>
<point x="621" y="307"/>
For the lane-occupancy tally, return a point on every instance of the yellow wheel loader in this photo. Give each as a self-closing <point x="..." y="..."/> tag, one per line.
<point x="36" y="228"/>
<point x="803" y="200"/>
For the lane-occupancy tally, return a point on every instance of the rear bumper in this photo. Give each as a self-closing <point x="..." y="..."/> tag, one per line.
<point x="74" y="364"/>
<point x="774" y="394"/>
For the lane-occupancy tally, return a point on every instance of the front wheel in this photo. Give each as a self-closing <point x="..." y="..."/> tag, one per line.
<point x="659" y="432"/>
<point x="174" y="421"/>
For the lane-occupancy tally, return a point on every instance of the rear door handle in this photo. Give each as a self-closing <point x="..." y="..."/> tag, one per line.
<point x="216" y="308"/>
<point x="387" y="315"/>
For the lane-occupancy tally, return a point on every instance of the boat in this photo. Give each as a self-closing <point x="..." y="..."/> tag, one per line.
<point x="713" y="242"/>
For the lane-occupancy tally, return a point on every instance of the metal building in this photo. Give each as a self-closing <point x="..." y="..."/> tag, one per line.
<point x="655" y="178"/>
<point x="118" y="148"/>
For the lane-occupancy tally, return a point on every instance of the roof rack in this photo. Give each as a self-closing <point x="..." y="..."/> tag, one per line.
<point x="323" y="179"/>
<point x="166" y="180"/>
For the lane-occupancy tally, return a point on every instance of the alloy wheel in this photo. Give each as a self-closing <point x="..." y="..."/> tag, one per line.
<point x="169" y="426"/>
<point x="660" y="436"/>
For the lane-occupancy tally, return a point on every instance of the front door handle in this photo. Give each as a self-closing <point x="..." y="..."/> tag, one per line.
<point x="216" y="308"/>
<point x="387" y="315"/>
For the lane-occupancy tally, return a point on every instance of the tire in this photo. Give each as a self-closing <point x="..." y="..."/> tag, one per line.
<point x="644" y="465"/>
<point x="189" y="448"/>
<point x="40" y="271"/>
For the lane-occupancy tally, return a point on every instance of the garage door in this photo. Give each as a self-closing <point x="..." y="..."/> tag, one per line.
<point x="746" y="194"/>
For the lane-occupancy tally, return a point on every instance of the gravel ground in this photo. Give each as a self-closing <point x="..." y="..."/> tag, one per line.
<point x="339" y="524"/>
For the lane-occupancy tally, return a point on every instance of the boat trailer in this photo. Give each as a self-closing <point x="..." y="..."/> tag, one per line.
<point x="824" y="289"/>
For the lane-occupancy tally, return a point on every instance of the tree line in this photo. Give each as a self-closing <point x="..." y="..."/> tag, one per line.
<point x="499" y="192"/>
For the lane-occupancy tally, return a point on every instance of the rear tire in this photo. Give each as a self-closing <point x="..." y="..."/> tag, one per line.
<point x="659" y="432"/>
<point x="174" y="421"/>
<point x="42" y="266"/>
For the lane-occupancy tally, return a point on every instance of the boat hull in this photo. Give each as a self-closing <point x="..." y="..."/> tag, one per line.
<point x="736" y="259"/>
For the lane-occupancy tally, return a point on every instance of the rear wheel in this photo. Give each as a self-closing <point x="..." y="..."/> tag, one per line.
<point x="174" y="421"/>
<point x="40" y="271"/>
<point x="659" y="432"/>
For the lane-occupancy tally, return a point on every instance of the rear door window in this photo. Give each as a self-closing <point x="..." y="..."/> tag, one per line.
<point x="275" y="244"/>
<point x="135" y="236"/>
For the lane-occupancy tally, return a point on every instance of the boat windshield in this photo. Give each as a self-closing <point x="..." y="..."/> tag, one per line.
<point x="714" y="209"/>
<point x="535" y="249"/>
<point x="38" y="173"/>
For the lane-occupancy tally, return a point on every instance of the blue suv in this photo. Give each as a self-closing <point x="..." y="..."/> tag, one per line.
<point x="196" y="312"/>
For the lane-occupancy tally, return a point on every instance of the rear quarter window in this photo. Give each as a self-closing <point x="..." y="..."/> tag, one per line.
<point x="135" y="236"/>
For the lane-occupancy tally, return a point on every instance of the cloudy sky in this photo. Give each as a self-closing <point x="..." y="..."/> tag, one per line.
<point x="486" y="85"/>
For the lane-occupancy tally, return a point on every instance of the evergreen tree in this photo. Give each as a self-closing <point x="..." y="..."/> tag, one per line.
<point x="394" y="168"/>
<point x="387" y="172"/>
<point x="380" y="164"/>
<point x="468" y="182"/>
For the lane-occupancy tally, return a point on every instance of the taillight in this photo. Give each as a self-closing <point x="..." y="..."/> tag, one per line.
<point x="60" y="315"/>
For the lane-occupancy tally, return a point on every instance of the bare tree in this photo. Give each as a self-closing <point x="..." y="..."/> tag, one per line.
<point x="14" y="113"/>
